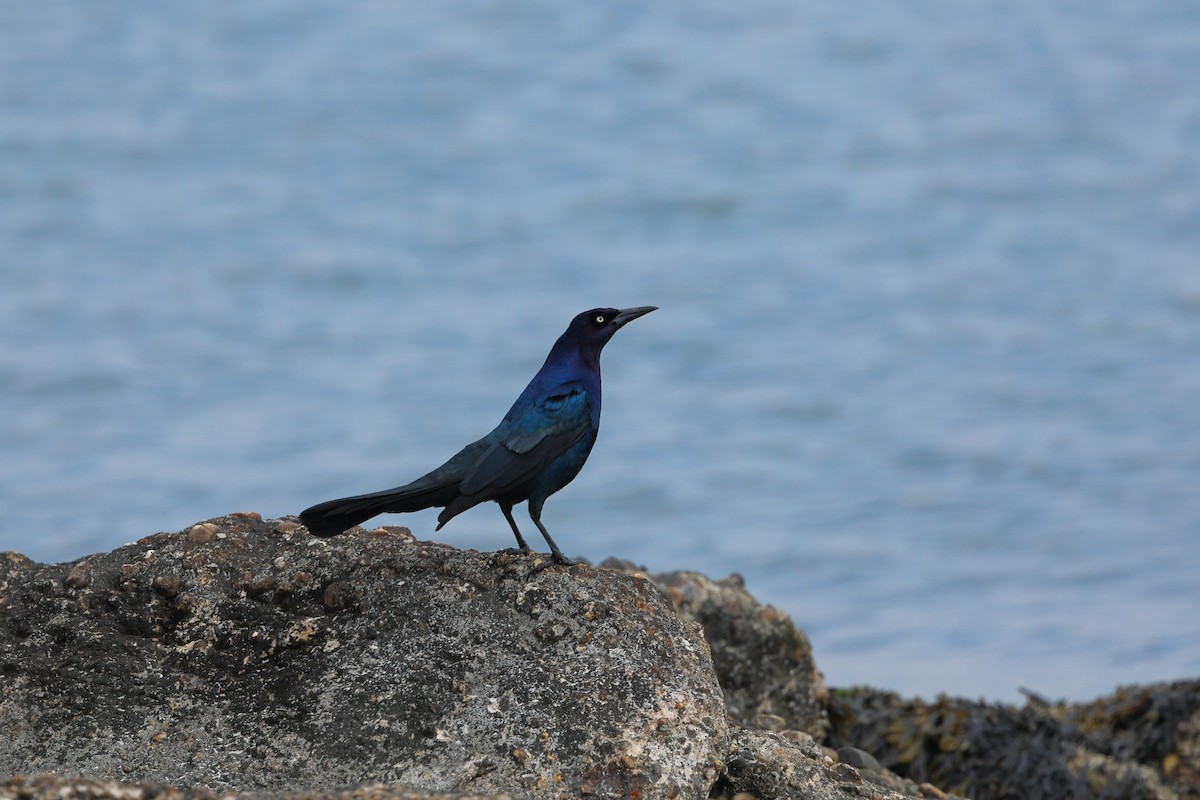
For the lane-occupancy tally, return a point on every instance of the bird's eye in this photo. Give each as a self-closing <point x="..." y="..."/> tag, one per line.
<point x="600" y="318"/>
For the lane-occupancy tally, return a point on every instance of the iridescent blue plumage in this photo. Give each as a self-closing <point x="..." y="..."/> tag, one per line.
<point x="537" y="449"/>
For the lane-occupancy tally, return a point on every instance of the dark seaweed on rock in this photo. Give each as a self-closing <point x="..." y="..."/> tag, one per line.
<point x="1001" y="752"/>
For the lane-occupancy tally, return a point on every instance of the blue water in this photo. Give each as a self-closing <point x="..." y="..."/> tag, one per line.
<point x="925" y="371"/>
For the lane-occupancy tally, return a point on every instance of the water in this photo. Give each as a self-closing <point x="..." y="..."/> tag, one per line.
<point x="925" y="369"/>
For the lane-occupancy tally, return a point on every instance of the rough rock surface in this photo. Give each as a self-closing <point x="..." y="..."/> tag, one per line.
<point x="52" y="787"/>
<point x="1138" y="744"/>
<point x="246" y="657"/>
<point x="765" y="764"/>
<point x="245" y="654"/>
<point x="763" y="661"/>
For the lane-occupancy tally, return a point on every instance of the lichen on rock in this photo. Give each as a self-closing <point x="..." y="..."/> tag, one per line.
<point x="245" y="654"/>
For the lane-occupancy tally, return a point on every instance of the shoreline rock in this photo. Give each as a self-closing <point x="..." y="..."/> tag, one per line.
<point x="244" y="657"/>
<point x="1139" y="743"/>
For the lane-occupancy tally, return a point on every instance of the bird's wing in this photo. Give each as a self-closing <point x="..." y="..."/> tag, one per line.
<point x="531" y="441"/>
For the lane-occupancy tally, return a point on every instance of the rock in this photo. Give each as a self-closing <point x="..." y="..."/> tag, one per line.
<point x="859" y="759"/>
<point x="764" y="764"/>
<point x="244" y="655"/>
<point x="1139" y="744"/>
<point x="53" y="787"/>
<point x="763" y="661"/>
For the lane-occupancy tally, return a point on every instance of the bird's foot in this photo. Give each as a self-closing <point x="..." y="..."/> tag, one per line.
<point x="517" y="551"/>
<point x="556" y="559"/>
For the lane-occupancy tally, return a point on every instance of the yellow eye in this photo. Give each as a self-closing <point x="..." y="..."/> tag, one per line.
<point x="600" y="318"/>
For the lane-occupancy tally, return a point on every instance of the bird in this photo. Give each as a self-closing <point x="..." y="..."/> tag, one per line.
<point x="538" y="448"/>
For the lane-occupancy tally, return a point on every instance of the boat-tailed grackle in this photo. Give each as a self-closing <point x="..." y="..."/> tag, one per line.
<point x="537" y="449"/>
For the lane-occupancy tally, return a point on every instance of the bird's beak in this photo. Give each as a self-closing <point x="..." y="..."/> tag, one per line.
<point x="626" y="315"/>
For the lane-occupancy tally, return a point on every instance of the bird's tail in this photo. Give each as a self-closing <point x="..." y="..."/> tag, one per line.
<point x="337" y="516"/>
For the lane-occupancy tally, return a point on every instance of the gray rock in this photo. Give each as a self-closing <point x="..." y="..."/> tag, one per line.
<point x="764" y="764"/>
<point x="244" y="654"/>
<point x="763" y="661"/>
<point x="859" y="759"/>
<point x="245" y="657"/>
<point x="53" y="787"/>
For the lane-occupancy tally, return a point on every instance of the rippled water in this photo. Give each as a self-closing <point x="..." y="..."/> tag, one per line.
<point x="925" y="371"/>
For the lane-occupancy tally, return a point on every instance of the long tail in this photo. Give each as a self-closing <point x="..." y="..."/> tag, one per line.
<point x="337" y="516"/>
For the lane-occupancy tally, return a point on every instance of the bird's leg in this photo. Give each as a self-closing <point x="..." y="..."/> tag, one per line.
<point x="522" y="546"/>
<point x="535" y="514"/>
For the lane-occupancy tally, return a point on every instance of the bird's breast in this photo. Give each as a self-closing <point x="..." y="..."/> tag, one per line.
<point x="562" y="470"/>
